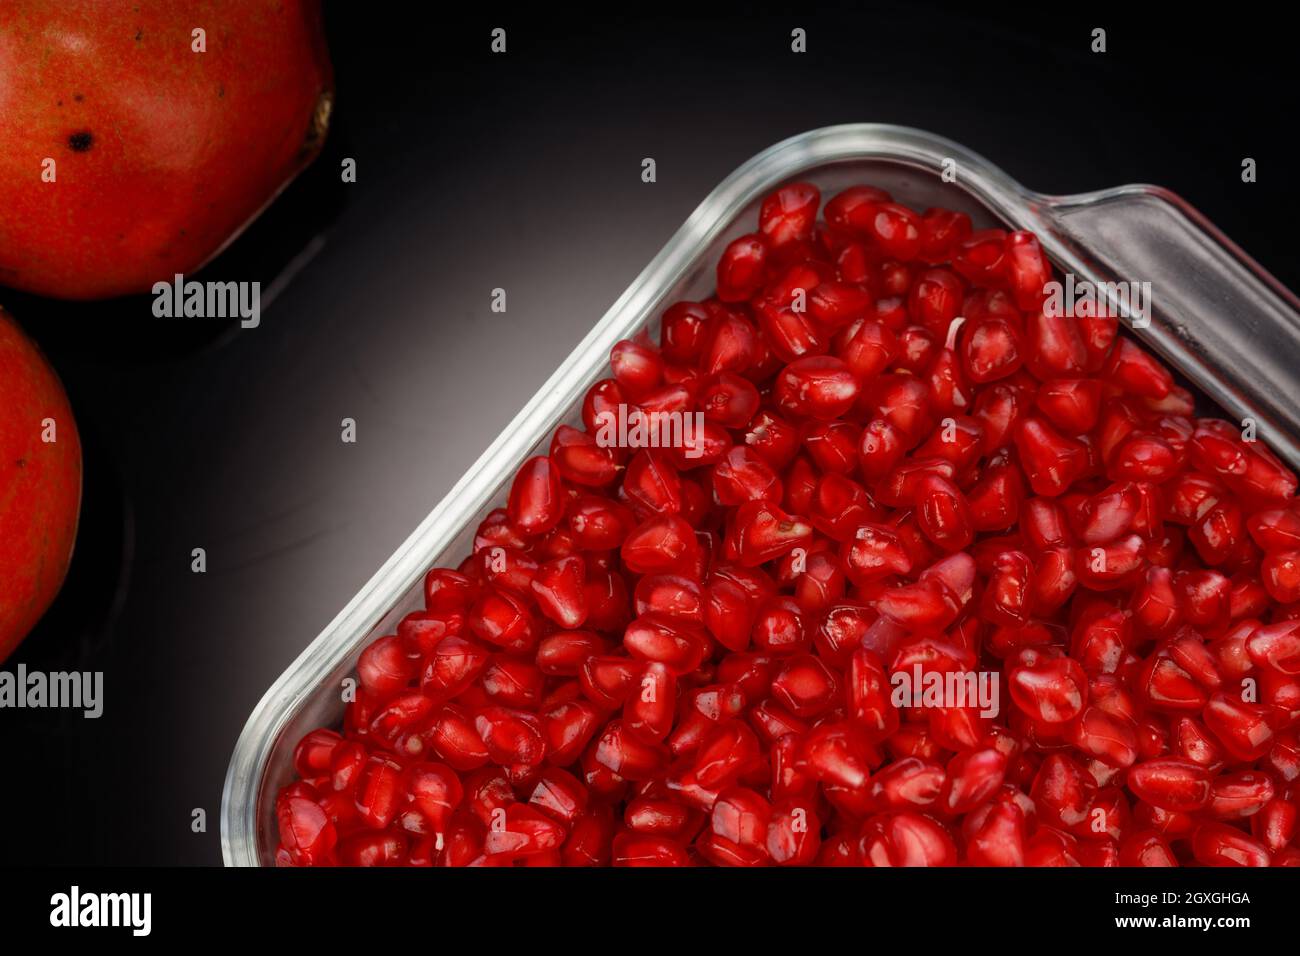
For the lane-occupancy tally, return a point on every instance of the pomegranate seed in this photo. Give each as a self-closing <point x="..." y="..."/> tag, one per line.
<point x="683" y="332"/>
<point x="652" y="485"/>
<point x="1048" y="690"/>
<point x="446" y="591"/>
<point x="793" y="835"/>
<point x="979" y="258"/>
<point x="650" y="708"/>
<point x="897" y="230"/>
<point x="759" y="531"/>
<point x="906" y="839"/>
<point x="1216" y="844"/>
<point x="1276" y="646"/>
<point x="935" y="300"/>
<point x="943" y="513"/>
<point x="503" y="619"/>
<point x="740" y="270"/>
<point x="511" y="736"/>
<point x="941" y="231"/>
<point x="374" y="849"/>
<point x="560" y="590"/>
<point x="855" y="208"/>
<point x="630" y="849"/>
<point x="806" y="686"/>
<point x="744" y="475"/>
<point x="568" y="728"/>
<point x="537" y="497"/>
<point x="662" y="544"/>
<point x="661" y="639"/>
<point x="1275" y="825"/>
<point x="580" y="460"/>
<point x="819" y="386"/>
<point x="998" y="839"/>
<point x="1171" y="783"/>
<point x="379" y="790"/>
<point x="789" y="213"/>
<point x="306" y="833"/>
<point x="1052" y="462"/>
<point x="680" y="655"/>
<point x="1242" y="727"/>
<point x="627" y="755"/>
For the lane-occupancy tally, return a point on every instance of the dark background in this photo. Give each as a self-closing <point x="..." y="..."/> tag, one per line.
<point x="520" y="171"/>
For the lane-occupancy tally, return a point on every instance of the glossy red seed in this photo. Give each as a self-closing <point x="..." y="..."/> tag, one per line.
<point x="627" y="755"/>
<point x="819" y="386"/>
<point x="740" y="270"/>
<point x="906" y="839"/>
<point x="1280" y="572"/>
<point x="650" y="707"/>
<point x="793" y="833"/>
<point x="1276" y="646"/>
<point x="683" y="332"/>
<point x="910" y="463"/>
<point x="897" y="230"/>
<point x="661" y="544"/>
<point x="1171" y="783"/>
<point x="1241" y="726"/>
<point x="306" y="833"/>
<point x="855" y="207"/>
<point x="559" y="589"/>
<point x="658" y="638"/>
<point x="1054" y="345"/>
<point x="943" y="513"/>
<point x="1027" y="270"/>
<point x="630" y="849"/>
<point x="935" y="300"/>
<point x="568" y="728"/>
<point x="1216" y="844"/>
<point x="806" y="686"/>
<point x="504" y="619"/>
<point x="512" y="736"/>
<point x="991" y="349"/>
<point x="1276" y="823"/>
<point x="789" y="213"/>
<point x="1049" y="690"/>
<point x="733" y="345"/>
<point x="760" y="531"/>
<point x="446" y="590"/>
<point x="581" y="459"/>
<point x="386" y="666"/>
<point x="941" y="231"/>
<point x="536" y="497"/>
<point x="1052" y="461"/>
<point x="837" y="753"/>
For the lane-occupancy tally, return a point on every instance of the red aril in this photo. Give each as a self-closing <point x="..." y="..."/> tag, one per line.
<point x="656" y="657"/>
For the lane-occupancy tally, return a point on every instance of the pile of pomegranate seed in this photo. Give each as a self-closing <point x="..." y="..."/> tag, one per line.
<point x="907" y="475"/>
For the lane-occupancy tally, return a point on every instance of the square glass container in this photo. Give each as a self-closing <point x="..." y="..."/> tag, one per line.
<point x="1228" y="326"/>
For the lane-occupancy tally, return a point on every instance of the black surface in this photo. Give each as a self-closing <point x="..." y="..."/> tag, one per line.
<point x="519" y="171"/>
<point x="936" y="910"/>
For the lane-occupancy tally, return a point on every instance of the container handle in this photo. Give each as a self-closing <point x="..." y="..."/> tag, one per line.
<point x="1213" y="312"/>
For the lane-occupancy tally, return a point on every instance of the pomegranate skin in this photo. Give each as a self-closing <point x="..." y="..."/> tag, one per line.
<point x="162" y="155"/>
<point x="40" y="486"/>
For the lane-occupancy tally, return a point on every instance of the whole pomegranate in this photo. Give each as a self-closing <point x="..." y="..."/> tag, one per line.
<point x="40" y="485"/>
<point x="137" y="140"/>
